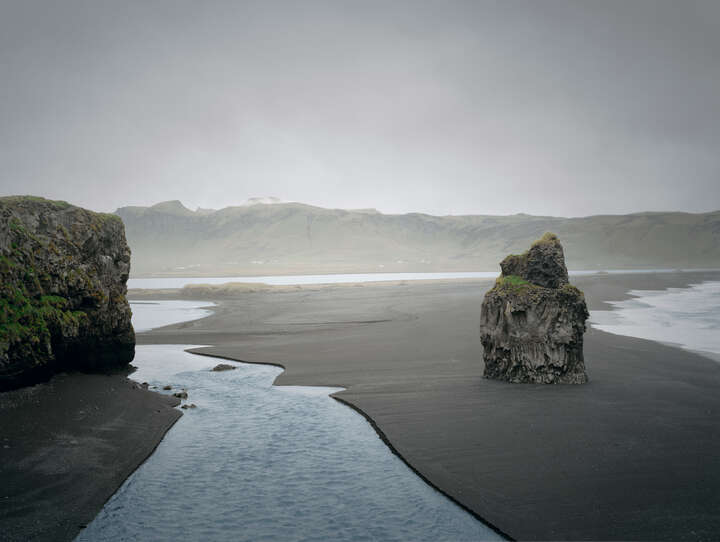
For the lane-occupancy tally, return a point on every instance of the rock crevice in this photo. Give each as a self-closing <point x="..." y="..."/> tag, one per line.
<point x="532" y="321"/>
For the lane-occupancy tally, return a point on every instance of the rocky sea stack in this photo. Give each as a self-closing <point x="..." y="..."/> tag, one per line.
<point x="532" y="321"/>
<point x="63" y="274"/>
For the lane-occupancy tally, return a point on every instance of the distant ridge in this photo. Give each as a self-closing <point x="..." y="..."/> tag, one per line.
<point x="268" y="236"/>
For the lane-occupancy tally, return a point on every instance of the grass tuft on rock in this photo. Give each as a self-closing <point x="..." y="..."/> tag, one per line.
<point x="547" y="239"/>
<point x="60" y="204"/>
<point x="512" y="280"/>
<point x="513" y="284"/>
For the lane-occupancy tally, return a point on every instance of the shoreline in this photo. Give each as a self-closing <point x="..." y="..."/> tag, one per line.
<point x="210" y="292"/>
<point x="377" y="430"/>
<point x="353" y="271"/>
<point x="383" y="437"/>
<point x="617" y="286"/>
<point x="314" y="351"/>
<point x="69" y="444"/>
<point x="388" y="402"/>
<point x="417" y="472"/>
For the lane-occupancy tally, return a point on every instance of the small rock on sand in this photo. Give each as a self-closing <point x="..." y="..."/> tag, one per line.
<point x="224" y="367"/>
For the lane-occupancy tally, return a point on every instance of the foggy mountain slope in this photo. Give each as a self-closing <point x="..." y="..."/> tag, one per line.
<point x="298" y="238"/>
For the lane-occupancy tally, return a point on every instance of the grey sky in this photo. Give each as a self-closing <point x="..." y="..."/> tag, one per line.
<point x="544" y="107"/>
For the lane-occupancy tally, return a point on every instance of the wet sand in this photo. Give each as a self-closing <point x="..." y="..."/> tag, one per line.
<point x="631" y="455"/>
<point x="67" y="445"/>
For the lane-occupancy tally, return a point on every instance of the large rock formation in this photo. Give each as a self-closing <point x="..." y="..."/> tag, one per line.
<point x="532" y="321"/>
<point x="63" y="274"/>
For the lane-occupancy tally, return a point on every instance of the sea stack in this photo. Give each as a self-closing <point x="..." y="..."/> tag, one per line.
<point x="63" y="273"/>
<point x="532" y="321"/>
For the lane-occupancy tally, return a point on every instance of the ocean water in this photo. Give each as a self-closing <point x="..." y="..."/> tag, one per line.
<point x="255" y="461"/>
<point x="288" y="280"/>
<point x="149" y="315"/>
<point x="689" y="317"/>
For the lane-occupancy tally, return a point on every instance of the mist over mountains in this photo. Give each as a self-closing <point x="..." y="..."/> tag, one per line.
<point x="272" y="237"/>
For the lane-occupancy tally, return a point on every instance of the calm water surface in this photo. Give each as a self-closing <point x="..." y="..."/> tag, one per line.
<point x="149" y="315"/>
<point x="258" y="462"/>
<point x="689" y="317"/>
<point x="287" y="280"/>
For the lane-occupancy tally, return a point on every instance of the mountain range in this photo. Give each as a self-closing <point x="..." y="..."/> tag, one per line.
<point x="266" y="236"/>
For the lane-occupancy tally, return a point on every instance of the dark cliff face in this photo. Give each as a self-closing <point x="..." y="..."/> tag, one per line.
<point x="62" y="297"/>
<point x="532" y="322"/>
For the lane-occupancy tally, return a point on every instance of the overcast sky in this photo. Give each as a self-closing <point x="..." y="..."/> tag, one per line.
<point x="498" y="107"/>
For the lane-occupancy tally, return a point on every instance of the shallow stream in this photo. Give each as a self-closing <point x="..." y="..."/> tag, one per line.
<point x="255" y="461"/>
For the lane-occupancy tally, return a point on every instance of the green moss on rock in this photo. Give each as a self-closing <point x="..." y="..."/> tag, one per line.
<point x="62" y="294"/>
<point x="548" y="238"/>
<point x="15" y="200"/>
<point x="532" y="321"/>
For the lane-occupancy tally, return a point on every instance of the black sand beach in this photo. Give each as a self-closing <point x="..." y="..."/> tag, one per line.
<point x="631" y="455"/>
<point x="67" y="445"/>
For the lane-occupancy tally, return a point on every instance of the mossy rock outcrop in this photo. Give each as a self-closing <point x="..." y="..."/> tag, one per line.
<point x="533" y="320"/>
<point x="63" y="274"/>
